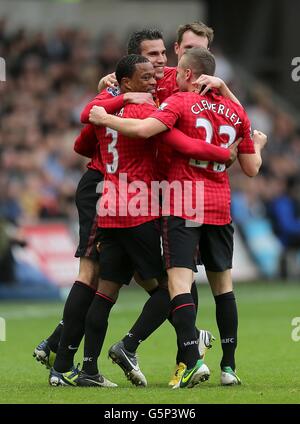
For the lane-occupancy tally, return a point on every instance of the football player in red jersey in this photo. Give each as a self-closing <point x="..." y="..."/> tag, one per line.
<point x="219" y="121"/>
<point x="195" y="34"/>
<point x="83" y="290"/>
<point x="150" y="44"/>
<point x="137" y="161"/>
<point x="125" y="238"/>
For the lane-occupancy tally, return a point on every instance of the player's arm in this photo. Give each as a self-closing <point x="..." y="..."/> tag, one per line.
<point x="136" y="128"/>
<point x="209" y="81"/>
<point x="111" y="105"/>
<point x="251" y="163"/>
<point x="85" y="143"/>
<point x="115" y="103"/>
<point x="198" y="149"/>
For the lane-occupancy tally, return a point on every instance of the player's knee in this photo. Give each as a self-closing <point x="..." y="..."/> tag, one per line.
<point x="148" y="285"/>
<point x="88" y="272"/>
<point x="220" y="282"/>
<point x="163" y="282"/>
<point x="109" y="289"/>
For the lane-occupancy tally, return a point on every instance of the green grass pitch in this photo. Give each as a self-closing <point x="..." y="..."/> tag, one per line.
<point x="267" y="357"/>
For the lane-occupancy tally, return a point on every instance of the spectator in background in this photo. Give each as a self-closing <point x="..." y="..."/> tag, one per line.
<point x="39" y="121"/>
<point x="284" y="210"/>
<point x="19" y="277"/>
<point x="7" y="271"/>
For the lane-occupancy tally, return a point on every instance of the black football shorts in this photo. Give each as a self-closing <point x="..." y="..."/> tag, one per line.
<point x="126" y="250"/>
<point x="86" y="199"/>
<point x="183" y="245"/>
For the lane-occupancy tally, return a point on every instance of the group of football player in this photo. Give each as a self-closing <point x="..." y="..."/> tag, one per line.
<point x="152" y="123"/>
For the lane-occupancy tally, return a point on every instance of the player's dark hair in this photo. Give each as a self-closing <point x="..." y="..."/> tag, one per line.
<point x="200" y="60"/>
<point x="137" y="37"/>
<point x="198" y="28"/>
<point x="126" y="66"/>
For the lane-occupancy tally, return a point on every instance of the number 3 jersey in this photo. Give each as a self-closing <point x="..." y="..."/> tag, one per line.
<point x="87" y="134"/>
<point x="216" y="120"/>
<point x="129" y="165"/>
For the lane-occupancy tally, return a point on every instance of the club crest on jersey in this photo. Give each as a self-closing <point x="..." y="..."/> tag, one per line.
<point x="114" y="91"/>
<point x="162" y="106"/>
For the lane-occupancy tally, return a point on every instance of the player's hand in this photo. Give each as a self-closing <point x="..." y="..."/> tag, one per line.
<point x="109" y="81"/>
<point x="139" y="98"/>
<point x="260" y="139"/>
<point x="233" y="152"/>
<point x="206" y="82"/>
<point x="97" y="115"/>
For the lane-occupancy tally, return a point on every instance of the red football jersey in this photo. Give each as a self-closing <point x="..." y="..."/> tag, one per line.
<point x="96" y="160"/>
<point x="86" y="144"/>
<point x="129" y="169"/>
<point x="166" y="86"/>
<point x="219" y="121"/>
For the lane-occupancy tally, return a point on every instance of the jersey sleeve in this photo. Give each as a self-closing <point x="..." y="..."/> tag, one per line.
<point x="106" y="99"/>
<point x="169" y="111"/>
<point x="140" y="111"/>
<point x="193" y="147"/>
<point x="85" y="143"/>
<point x="246" y="146"/>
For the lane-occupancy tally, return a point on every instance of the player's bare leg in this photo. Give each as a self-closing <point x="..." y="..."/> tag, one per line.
<point x="149" y="285"/>
<point x="88" y="272"/>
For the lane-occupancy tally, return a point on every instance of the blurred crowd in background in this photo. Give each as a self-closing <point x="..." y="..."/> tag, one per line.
<point x="49" y="78"/>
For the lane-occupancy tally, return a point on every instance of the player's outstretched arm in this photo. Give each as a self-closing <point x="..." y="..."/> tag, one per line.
<point x="114" y="104"/>
<point x="136" y="128"/>
<point x="111" y="105"/>
<point x="251" y="163"/>
<point x="209" y="81"/>
<point x="198" y="149"/>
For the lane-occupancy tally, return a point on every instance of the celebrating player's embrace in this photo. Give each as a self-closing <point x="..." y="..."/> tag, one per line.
<point x="197" y="132"/>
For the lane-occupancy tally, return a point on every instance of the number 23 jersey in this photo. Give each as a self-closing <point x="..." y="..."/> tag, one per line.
<point x="216" y="120"/>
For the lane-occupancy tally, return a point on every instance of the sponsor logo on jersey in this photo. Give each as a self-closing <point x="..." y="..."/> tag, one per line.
<point x="114" y="91"/>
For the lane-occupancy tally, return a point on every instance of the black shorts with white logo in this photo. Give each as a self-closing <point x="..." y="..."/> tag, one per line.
<point x="123" y="251"/>
<point x="86" y="199"/>
<point x="183" y="245"/>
